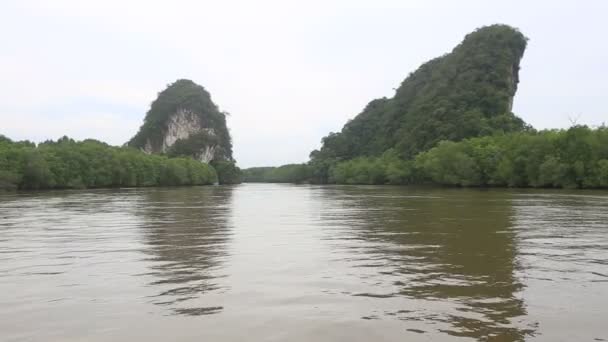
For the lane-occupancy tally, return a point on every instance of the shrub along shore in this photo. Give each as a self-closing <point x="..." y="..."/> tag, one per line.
<point x="572" y="158"/>
<point x="67" y="164"/>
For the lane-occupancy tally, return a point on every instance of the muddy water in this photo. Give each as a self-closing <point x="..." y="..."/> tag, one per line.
<point x="304" y="263"/>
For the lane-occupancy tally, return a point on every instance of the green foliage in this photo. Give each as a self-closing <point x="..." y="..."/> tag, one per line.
<point x="573" y="158"/>
<point x="191" y="146"/>
<point x="450" y="163"/>
<point x="227" y="172"/>
<point x="66" y="163"/>
<point x="185" y="95"/>
<point x="466" y="93"/>
<point x="387" y="169"/>
<point x="291" y="173"/>
<point x="257" y="174"/>
<point x="320" y="163"/>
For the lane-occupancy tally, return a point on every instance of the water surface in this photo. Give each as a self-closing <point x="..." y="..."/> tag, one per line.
<point x="304" y="263"/>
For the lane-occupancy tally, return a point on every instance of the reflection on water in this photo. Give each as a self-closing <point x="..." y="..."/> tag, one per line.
<point x="187" y="234"/>
<point x="302" y="263"/>
<point x="438" y="246"/>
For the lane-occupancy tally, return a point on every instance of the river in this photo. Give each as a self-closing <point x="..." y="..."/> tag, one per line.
<point x="270" y="262"/>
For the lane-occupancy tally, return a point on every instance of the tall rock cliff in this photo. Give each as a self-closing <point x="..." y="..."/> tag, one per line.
<point x="465" y="93"/>
<point x="183" y="120"/>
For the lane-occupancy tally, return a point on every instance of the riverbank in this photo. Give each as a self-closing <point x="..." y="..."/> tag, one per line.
<point x="575" y="158"/>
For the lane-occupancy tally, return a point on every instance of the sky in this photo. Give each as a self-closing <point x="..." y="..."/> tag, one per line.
<point x="288" y="72"/>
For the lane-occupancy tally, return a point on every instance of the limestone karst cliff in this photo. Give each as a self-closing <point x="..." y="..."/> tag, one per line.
<point x="184" y="121"/>
<point x="465" y="93"/>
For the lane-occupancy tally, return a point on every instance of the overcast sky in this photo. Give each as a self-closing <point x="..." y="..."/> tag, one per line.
<point x="288" y="72"/>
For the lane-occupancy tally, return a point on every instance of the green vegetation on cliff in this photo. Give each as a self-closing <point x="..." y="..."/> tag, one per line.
<point x="67" y="164"/>
<point x="450" y="123"/>
<point x="466" y="93"/>
<point x="185" y="110"/>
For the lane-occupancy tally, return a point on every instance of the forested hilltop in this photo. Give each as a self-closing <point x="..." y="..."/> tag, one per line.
<point x="465" y="93"/>
<point x="450" y="123"/>
<point x="183" y="121"/>
<point x="68" y="164"/>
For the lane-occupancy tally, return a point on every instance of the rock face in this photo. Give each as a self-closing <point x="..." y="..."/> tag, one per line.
<point x="465" y="93"/>
<point x="184" y="121"/>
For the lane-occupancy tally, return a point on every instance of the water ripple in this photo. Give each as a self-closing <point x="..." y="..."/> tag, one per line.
<point x="324" y="263"/>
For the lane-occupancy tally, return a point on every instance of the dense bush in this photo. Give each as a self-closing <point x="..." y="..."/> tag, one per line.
<point x="387" y="169"/>
<point x="66" y="163"/>
<point x="291" y="173"/>
<point x="227" y="172"/>
<point x="573" y="158"/>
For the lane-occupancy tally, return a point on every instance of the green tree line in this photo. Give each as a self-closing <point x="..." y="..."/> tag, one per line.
<point x="68" y="164"/>
<point x="572" y="158"/>
<point x="290" y="173"/>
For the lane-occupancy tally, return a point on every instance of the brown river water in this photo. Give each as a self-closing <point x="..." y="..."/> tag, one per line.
<point x="269" y="262"/>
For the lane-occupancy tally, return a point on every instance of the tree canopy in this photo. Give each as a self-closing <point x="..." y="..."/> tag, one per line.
<point x="573" y="158"/>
